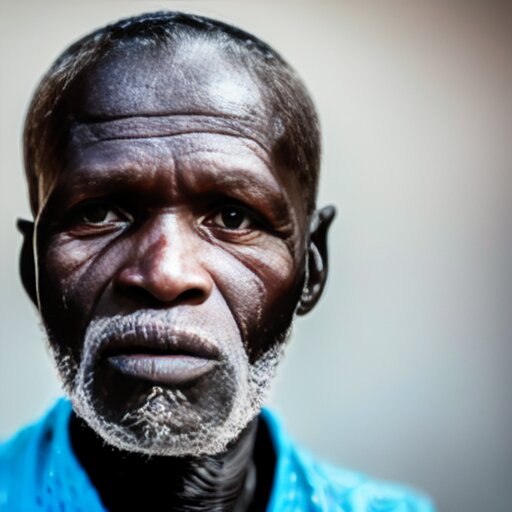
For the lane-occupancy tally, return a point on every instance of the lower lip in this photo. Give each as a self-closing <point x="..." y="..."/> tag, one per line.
<point x="162" y="369"/>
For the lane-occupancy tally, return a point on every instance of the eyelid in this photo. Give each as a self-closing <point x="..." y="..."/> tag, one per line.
<point x="81" y="207"/>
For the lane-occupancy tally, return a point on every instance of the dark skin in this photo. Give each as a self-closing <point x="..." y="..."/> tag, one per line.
<point x="238" y="479"/>
<point x="170" y="198"/>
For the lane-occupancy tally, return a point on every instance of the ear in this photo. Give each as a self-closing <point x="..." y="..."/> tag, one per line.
<point x="317" y="264"/>
<point x="27" y="261"/>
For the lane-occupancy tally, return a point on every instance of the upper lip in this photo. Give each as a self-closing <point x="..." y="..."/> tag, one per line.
<point x="154" y="340"/>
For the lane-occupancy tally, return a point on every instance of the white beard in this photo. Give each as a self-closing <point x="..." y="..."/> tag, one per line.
<point x="166" y="422"/>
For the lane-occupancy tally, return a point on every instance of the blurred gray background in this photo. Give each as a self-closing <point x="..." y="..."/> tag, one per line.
<point x="403" y="371"/>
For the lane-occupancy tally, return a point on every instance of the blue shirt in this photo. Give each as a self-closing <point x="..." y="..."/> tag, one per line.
<point x="39" y="472"/>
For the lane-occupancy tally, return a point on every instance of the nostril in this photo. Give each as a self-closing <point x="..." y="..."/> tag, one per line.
<point x="147" y="298"/>
<point x="192" y="296"/>
<point x="138" y="295"/>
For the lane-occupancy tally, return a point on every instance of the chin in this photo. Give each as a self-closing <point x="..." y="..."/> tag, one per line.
<point x="199" y="419"/>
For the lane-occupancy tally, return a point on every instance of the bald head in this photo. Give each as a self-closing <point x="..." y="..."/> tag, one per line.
<point x="166" y="65"/>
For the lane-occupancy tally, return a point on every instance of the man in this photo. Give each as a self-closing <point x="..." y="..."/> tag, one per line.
<point x="172" y="164"/>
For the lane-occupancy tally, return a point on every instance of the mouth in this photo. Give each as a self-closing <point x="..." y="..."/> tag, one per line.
<point x="172" y="369"/>
<point x="171" y="360"/>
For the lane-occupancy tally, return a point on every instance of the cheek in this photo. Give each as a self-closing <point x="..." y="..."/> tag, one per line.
<point x="73" y="273"/>
<point x="261" y="287"/>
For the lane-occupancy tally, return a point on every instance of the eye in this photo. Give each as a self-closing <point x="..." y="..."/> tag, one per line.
<point x="232" y="217"/>
<point x="99" y="213"/>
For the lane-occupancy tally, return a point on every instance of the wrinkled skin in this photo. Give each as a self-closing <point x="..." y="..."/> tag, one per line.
<point x="170" y="203"/>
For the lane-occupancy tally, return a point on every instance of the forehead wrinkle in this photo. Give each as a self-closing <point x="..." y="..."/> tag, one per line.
<point x="111" y="173"/>
<point x="159" y="125"/>
<point x="193" y="158"/>
<point x="234" y="154"/>
<point x="81" y="182"/>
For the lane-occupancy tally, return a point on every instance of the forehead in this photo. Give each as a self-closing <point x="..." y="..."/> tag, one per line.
<point x="193" y="77"/>
<point x="136" y="104"/>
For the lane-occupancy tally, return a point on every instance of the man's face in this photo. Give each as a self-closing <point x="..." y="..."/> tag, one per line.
<point x="170" y="250"/>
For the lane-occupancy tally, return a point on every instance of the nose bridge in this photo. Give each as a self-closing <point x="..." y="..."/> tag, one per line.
<point x="164" y="262"/>
<point x="163" y="245"/>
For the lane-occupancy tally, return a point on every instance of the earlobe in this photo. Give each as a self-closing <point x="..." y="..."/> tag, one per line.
<point x="317" y="259"/>
<point x="27" y="261"/>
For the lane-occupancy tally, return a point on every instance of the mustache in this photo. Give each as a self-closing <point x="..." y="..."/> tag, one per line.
<point x="148" y="332"/>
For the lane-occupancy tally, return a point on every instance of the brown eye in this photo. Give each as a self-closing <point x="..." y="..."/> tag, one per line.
<point x="99" y="214"/>
<point x="232" y="217"/>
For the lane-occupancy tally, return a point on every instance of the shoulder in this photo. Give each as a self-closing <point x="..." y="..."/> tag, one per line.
<point x="24" y="459"/>
<point x="38" y="470"/>
<point x="304" y="483"/>
<point x="20" y="454"/>
<point x="341" y="489"/>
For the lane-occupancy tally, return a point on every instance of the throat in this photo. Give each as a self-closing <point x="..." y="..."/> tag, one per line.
<point x="236" y="480"/>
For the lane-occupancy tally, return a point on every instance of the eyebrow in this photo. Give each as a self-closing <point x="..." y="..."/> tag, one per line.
<point x="244" y="184"/>
<point x="239" y="184"/>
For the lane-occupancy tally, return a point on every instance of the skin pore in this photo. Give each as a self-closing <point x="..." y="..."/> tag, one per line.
<point x="172" y="251"/>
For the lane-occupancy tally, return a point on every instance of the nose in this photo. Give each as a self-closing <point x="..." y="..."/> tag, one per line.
<point x="165" y="265"/>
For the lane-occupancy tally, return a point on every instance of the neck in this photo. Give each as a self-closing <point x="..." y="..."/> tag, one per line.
<point x="223" y="482"/>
